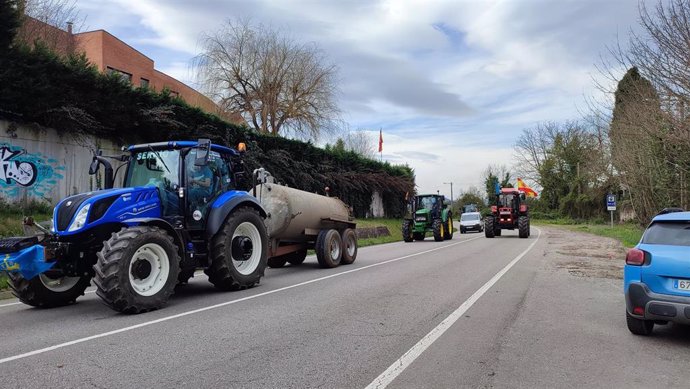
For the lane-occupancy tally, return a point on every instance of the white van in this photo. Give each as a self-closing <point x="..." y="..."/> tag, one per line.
<point x="471" y="221"/>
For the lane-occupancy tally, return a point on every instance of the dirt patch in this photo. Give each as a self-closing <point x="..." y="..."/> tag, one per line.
<point x="585" y="255"/>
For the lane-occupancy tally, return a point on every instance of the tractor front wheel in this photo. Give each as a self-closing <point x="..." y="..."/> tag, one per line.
<point x="137" y="269"/>
<point x="449" y="228"/>
<point x="407" y="233"/>
<point x="48" y="292"/>
<point x="489" y="228"/>
<point x="523" y="226"/>
<point x="439" y="230"/>
<point x="239" y="252"/>
<point x="419" y="235"/>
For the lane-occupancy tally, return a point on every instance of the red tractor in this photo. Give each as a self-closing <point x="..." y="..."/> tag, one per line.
<point x="508" y="213"/>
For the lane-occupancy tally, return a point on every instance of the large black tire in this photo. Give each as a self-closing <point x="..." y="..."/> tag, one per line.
<point x="230" y="270"/>
<point x="277" y="262"/>
<point x="407" y="234"/>
<point x="639" y="326"/>
<point x="329" y="248"/>
<point x="438" y="228"/>
<point x="349" y="239"/>
<point x="41" y="292"/>
<point x="523" y="227"/>
<point x="489" y="229"/>
<point x="136" y="250"/>
<point x="419" y="236"/>
<point x="296" y="258"/>
<point x="448" y="235"/>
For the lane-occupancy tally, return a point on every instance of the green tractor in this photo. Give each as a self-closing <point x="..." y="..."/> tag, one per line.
<point x="428" y="213"/>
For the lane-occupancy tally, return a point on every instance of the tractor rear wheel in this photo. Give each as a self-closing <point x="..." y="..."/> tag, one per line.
<point x="47" y="292"/>
<point x="449" y="228"/>
<point x="439" y="230"/>
<point x="239" y="251"/>
<point x="329" y="248"/>
<point x="523" y="226"/>
<point x="349" y="239"/>
<point x="297" y="257"/>
<point x="407" y="233"/>
<point x="489" y="229"/>
<point x="137" y="269"/>
<point x="276" y="262"/>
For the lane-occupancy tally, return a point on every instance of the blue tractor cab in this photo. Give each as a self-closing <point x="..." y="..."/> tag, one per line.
<point x="179" y="208"/>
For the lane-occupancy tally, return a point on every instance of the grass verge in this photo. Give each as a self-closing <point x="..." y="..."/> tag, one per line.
<point x="628" y="234"/>
<point x="394" y="227"/>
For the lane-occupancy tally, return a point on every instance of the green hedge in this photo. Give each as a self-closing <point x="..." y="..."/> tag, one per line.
<point x="73" y="97"/>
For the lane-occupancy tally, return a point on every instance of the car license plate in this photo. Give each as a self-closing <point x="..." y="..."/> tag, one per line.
<point x="681" y="284"/>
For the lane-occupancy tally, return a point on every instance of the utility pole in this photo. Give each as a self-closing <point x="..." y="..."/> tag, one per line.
<point x="451" y="193"/>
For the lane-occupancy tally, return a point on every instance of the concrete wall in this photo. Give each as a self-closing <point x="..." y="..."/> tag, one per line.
<point x="43" y="166"/>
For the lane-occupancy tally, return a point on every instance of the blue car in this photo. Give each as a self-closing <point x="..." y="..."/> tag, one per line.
<point x="657" y="274"/>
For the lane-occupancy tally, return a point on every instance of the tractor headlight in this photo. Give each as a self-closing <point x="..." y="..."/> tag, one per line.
<point x="420" y="218"/>
<point x="80" y="219"/>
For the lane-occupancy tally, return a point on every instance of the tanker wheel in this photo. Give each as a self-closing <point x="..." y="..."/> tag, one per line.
<point x="419" y="235"/>
<point x="297" y="258"/>
<point x="523" y="227"/>
<point x="489" y="229"/>
<point x="449" y="228"/>
<point x="239" y="251"/>
<point x="439" y="230"/>
<point x="47" y="292"/>
<point x="137" y="269"/>
<point x="407" y="233"/>
<point x="349" y="239"/>
<point x="329" y="248"/>
<point x="277" y="262"/>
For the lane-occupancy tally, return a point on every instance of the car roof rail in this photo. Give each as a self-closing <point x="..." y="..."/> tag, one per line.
<point x="670" y="210"/>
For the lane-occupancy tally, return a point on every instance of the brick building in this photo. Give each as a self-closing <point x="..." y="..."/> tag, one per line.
<point x="111" y="55"/>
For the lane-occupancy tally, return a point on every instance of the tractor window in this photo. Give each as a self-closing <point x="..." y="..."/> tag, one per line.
<point x="426" y="202"/>
<point x="158" y="168"/>
<point x="507" y="200"/>
<point x="205" y="183"/>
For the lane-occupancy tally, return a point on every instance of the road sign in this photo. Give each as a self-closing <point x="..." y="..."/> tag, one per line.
<point x="610" y="202"/>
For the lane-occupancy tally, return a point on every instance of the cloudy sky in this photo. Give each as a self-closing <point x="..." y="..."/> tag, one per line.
<point x="451" y="83"/>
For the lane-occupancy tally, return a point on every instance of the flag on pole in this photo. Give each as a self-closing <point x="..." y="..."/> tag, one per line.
<point x="380" y="140"/>
<point x="526" y="189"/>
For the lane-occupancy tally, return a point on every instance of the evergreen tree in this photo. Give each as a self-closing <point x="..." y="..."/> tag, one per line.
<point x="9" y="23"/>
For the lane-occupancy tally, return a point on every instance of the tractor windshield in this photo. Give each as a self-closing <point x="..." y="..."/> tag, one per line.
<point x="158" y="168"/>
<point x="507" y="200"/>
<point x="427" y="202"/>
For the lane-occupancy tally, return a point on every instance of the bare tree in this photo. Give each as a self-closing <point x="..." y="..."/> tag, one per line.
<point x="280" y="86"/>
<point x="41" y="18"/>
<point x="361" y="143"/>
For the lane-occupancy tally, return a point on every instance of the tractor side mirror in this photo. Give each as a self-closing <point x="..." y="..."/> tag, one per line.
<point x="95" y="164"/>
<point x="203" y="151"/>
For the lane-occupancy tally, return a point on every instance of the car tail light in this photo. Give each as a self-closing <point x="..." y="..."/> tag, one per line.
<point x="638" y="311"/>
<point x="635" y="257"/>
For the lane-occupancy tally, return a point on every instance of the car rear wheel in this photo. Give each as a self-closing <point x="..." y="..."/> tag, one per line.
<point x="639" y="326"/>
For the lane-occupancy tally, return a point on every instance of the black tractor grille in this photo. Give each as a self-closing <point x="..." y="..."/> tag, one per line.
<point x="100" y="207"/>
<point x="65" y="212"/>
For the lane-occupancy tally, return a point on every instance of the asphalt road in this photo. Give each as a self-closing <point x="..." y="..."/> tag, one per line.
<point x="470" y="312"/>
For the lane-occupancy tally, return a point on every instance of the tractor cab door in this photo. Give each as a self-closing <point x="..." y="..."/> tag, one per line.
<point x="204" y="184"/>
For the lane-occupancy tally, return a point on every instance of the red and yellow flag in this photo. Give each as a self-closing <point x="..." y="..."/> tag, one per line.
<point x="526" y="189"/>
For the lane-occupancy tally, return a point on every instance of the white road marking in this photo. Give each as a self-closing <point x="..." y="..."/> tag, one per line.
<point x="208" y="308"/>
<point x="406" y="360"/>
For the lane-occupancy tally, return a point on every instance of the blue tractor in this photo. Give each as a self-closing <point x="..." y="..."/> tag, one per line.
<point x="179" y="209"/>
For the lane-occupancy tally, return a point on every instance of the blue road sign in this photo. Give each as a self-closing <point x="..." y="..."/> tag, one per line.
<point x="610" y="202"/>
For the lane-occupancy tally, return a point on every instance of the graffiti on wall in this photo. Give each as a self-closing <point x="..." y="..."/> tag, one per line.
<point x="21" y="170"/>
